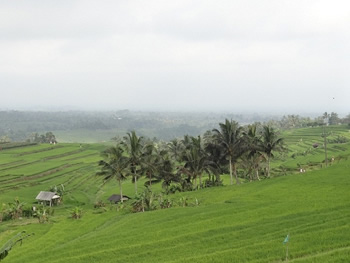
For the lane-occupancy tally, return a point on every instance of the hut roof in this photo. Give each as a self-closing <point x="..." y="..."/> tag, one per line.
<point x="116" y="198"/>
<point x="46" y="196"/>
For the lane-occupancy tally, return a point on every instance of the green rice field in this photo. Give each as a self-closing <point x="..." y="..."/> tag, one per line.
<point x="238" y="223"/>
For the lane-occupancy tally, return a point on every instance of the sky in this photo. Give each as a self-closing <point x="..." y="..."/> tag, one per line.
<point x="239" y="56"/>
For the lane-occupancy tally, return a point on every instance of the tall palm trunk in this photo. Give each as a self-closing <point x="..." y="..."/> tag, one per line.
<point x="135" y="181"/>
<point x="135" y="184"/>
<point x="257" y="173"/>
<point x="235" y="173"/>
<point x="231" y="178"/>
<point x="268" y="165"/>
<point x="121" y="190"/>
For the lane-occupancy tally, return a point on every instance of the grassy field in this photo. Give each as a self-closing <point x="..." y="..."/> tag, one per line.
<point x="245" y="223"/>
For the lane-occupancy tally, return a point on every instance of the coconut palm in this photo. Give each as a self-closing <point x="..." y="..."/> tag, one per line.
<point x="149" y="162"/>
<point x="215" y="155"/>
<point x="115" y="165"/>
<point x="229" y="139"/>
<point x="166" y="172"/>
<point x="196" y="161"/>
<point x="269" y="143"/>
<point x="175" y="148"/>
<point x="254" y="155"/>
<point x="134" y="145"/>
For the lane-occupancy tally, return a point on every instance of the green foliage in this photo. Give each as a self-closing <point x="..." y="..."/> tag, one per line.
<point x="183" y="201"/>
<point x="15" y="209"/>
<point x="58" y="189"/>
<point x="339" y="139"/>
<point x="43" y="213"/>
<point x="144" y="201"/>
<point x="213" y="182"/>
<point x="77" y="213"/>
<point x="99" y="204"/>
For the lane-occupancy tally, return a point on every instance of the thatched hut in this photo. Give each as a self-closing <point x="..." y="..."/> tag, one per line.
<point x="116" y="198"/>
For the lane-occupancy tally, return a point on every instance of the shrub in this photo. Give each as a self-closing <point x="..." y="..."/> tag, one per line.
<point x="15" y="209"/>
<point x="144" y="201"/>
<point x="28" y="211"/>
<point x="164" y="202"/>
<point x="99" y="204"/>
<point x="43" y="214"/>
<point x="183" y="201"/>
<point x="213" y="182"/>
<point x="77" y="213"/>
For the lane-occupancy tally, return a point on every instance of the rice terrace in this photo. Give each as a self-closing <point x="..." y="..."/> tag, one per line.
<point x="289" y="204"/>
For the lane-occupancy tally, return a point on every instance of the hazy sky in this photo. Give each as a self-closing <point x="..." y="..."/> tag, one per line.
<point x="272" y="55"/>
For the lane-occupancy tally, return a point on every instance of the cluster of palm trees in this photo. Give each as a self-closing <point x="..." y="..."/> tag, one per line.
<point x="181" y="164"/>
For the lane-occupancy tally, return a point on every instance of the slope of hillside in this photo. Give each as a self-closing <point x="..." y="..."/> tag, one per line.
<point x="238" y="224"/>
<point x="245" y="223"/>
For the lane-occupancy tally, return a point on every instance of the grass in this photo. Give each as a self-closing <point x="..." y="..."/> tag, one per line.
<point x="244" y="223"/>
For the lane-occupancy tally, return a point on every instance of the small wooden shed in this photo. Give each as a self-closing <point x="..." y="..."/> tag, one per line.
<point x="48" y="198"/>
<point x="116" y="198"/>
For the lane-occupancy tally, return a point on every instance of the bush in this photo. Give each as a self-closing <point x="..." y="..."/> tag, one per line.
<point x="43" y="214"/>
<point x="213" y="182"/>
<point x="99" y="204"/>
<point x="144" y="201"/>
<point x="28" y="211"/>
<point x="339" y="139"/>
<point x="183" y="201"/>
<point x="164" y="202"/>
<point x="173" y="189"/>
<point x="77" y="213"/>
<point x="15" y="210"/>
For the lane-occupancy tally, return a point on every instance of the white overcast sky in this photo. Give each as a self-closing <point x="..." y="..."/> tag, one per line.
<point x="237" y="55"/>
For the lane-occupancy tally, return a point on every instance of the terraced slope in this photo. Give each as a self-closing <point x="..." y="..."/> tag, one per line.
<point x="26" y="171"/>
<point x="232" y="224"/>
<point x="302" y="154"/>
<point x="245" y="223"/>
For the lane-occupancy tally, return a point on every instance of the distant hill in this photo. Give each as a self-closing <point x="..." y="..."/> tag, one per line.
<point x="79" y="126"/>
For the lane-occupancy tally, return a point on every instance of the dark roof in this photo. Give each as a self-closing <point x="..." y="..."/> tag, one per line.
<point x="116" y="198"/>
<point x="45" y="196"/>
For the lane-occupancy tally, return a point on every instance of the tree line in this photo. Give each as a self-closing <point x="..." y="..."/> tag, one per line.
<point x="179" y="165"/>
<point x="20" y="126"/>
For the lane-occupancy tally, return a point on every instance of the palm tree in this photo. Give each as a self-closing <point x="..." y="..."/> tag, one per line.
<point x="115" y="165"/>
<point x="229" y="138"/>
<point x="270" y="142"/>
<point x="175" y="148"/>
<point x="254" y="155"/>
<point x="196" y="161"/>
<point x="149" y="161"/>
<point x="134" y="144"/>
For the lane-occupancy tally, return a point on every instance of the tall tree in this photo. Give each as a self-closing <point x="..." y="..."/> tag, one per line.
<point x="166" y="171"/>
<point x="229" y="138"/>
<point x="134" y="145"/>
<point x="149" y="161"/>
<point x="175" y="148"/>
<point x="115" y="165"/>
<point x="254" y="155"/>
<point x="270" y="142"/>
<point x="196" y="161"/>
